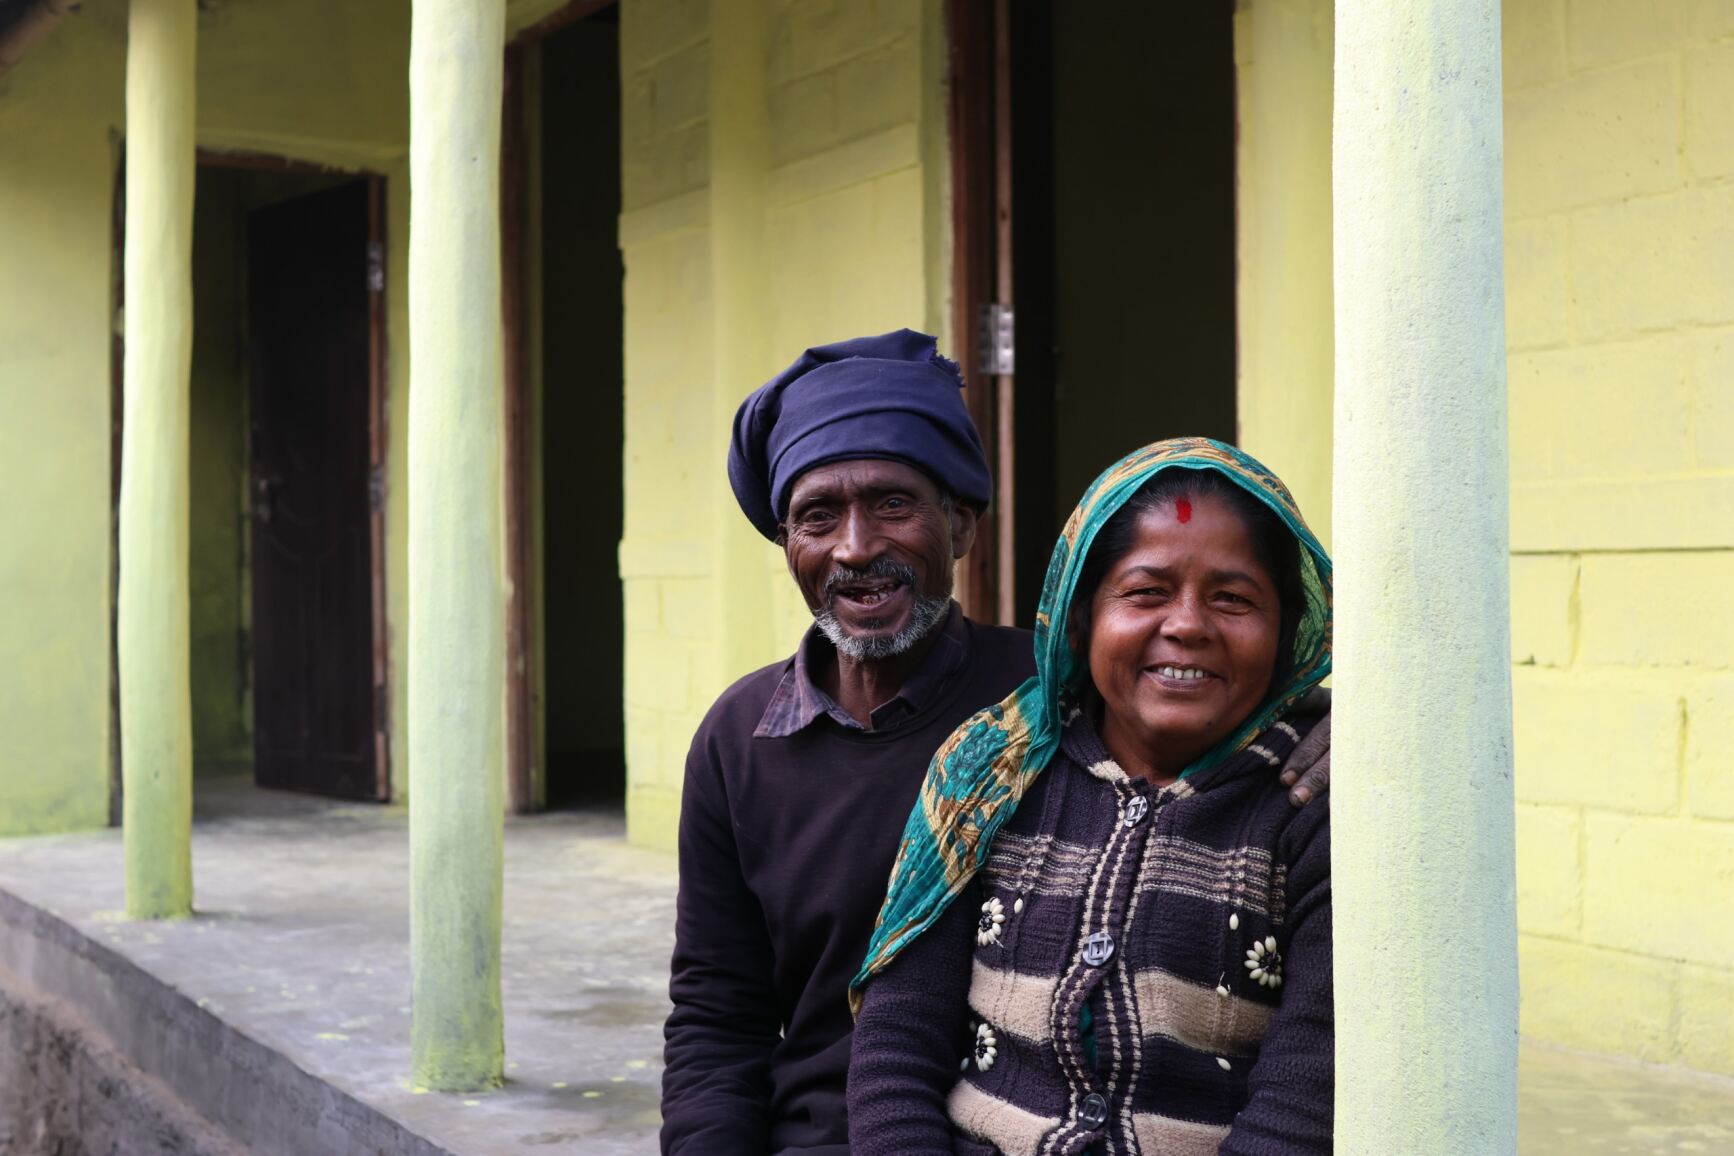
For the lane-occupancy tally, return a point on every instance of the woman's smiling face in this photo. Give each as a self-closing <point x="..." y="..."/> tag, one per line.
<point x="1183" y="636"/>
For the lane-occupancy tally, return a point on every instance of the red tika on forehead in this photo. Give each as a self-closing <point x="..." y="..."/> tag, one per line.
<point x="1183" y="510"/>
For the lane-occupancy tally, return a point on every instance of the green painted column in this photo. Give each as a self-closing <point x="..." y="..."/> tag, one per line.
<point x="153" y="632"/>
<point x="1421" y="805"/>
<point x="457" y="622"/>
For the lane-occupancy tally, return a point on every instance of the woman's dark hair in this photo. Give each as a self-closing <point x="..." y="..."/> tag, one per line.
<point x="1277" y="548"/>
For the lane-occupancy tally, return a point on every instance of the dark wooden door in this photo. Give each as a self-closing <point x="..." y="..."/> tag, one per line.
<point x="309" y="368"/>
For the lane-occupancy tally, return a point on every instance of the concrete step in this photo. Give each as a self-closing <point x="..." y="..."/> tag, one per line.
<point x="99" y="1057"/>
<point x="65" y="1091"/>
<point x="280" y="1012"/>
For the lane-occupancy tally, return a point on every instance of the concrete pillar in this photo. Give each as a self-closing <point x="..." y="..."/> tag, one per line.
<point x="153" y="631"/>
<point x="457" y="627"/>
<point x="1283" y="78"/>
<point x="1423" y="864"/>
<point x="740" y="156"/>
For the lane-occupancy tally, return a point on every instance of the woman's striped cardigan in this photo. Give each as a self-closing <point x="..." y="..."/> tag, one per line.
<point x="1181" y="935"/>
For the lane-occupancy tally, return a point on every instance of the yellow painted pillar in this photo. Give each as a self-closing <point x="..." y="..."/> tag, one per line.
<point x="740" y="151"/>
<point x="153" y="630"/>
<point x="1421" y="805"/>
<point x="457" y="672"/>
<point x="1283" y="67"/>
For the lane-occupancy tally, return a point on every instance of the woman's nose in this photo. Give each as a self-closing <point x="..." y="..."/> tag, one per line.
<point x="1186" y="620"/>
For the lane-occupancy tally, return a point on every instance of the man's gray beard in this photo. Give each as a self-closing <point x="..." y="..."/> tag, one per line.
<point x="924" y="617"/>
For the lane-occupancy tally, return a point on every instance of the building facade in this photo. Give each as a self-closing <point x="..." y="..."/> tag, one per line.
<point x="695" y="191"/>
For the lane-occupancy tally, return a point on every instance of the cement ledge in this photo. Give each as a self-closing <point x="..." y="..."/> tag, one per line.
<point x="296" y="969"/>
<point x="254" y="1095"/>
<point x="63" y="1089"/>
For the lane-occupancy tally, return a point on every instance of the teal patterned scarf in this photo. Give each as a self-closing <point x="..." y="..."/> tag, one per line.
<point x="978" y="776"/>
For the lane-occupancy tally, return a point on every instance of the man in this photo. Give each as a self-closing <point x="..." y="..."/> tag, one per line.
<point x="861" y="462"/>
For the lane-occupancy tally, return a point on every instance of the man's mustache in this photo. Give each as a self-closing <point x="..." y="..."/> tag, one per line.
<point x="879" y="568"/>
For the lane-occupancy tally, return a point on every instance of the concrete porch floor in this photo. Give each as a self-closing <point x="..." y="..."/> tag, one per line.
<point x="301" y="946"/>
<point x="301" y="943"/>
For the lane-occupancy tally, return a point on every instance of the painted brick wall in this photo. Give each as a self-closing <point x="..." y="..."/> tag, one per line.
<point x="1620" y="298"/>
<point x="852" y="108"/>
<point x="665" y="557"/>
<point x="57" y="109"/>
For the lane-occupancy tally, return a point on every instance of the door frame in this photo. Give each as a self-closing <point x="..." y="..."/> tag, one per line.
<point x="522" y="774"/>
<point x="526" y="777"/>
<point x="378" y="441"/>
<point x="979" y="119"/>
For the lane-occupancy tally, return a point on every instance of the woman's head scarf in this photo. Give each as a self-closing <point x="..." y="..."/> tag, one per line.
<point x="979" y="775"/>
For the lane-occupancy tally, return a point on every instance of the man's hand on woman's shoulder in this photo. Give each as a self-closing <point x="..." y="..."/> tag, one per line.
<point x="1308" y="770"/>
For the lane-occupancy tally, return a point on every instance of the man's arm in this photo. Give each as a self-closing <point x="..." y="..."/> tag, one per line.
<point x="718" y="1039"/>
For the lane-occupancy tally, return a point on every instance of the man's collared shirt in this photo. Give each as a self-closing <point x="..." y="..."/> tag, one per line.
<point x="785" y="846"/>
<point x="799" y="701"/>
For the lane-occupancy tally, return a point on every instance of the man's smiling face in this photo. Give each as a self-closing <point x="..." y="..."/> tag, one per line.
<point x="871" y="545"/>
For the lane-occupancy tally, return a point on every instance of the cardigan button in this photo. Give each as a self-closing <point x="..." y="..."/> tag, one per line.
<point x="1092" y="1111"/>
<point x="1098" y="948"/>
<point x="1136" y="808"/>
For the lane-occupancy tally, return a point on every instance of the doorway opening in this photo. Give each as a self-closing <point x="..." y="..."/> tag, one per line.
<point x="1093" y="157"/>
<point x="285" y="460"/>
<point x="564" y="95"/>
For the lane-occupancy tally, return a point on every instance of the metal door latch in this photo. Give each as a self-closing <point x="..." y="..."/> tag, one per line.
<point x="997" y="340"/>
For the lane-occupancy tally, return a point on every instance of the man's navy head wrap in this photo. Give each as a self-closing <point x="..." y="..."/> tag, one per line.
<point x="891" y="396"/>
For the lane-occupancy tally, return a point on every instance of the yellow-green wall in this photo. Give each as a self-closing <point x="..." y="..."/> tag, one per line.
<point x="852" y="183"/>
<point x="1282" y="51"/>
<point x="1620" y="325"/>
<point x="665" y="552"/>
<point x="849" y="101"/>
<point x="1620" y="305"/>
<point x="57" y="164"/>
<point x="323" y="81"/>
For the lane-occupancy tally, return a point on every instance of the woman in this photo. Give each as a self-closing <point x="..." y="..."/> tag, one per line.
<point x="1131" y="951"/>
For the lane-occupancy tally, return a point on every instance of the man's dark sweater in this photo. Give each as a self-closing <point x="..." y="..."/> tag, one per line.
<point x="790" y="819"/>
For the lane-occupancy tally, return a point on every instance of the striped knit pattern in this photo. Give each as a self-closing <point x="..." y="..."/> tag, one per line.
<point x="1215" y="865"/>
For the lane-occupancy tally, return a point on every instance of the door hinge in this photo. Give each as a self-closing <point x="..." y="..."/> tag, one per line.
<point x="380" y="706"/>
<point x="376" y="489"/>
<point x="375" y="267"/>
<point x="997" y="340"/>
